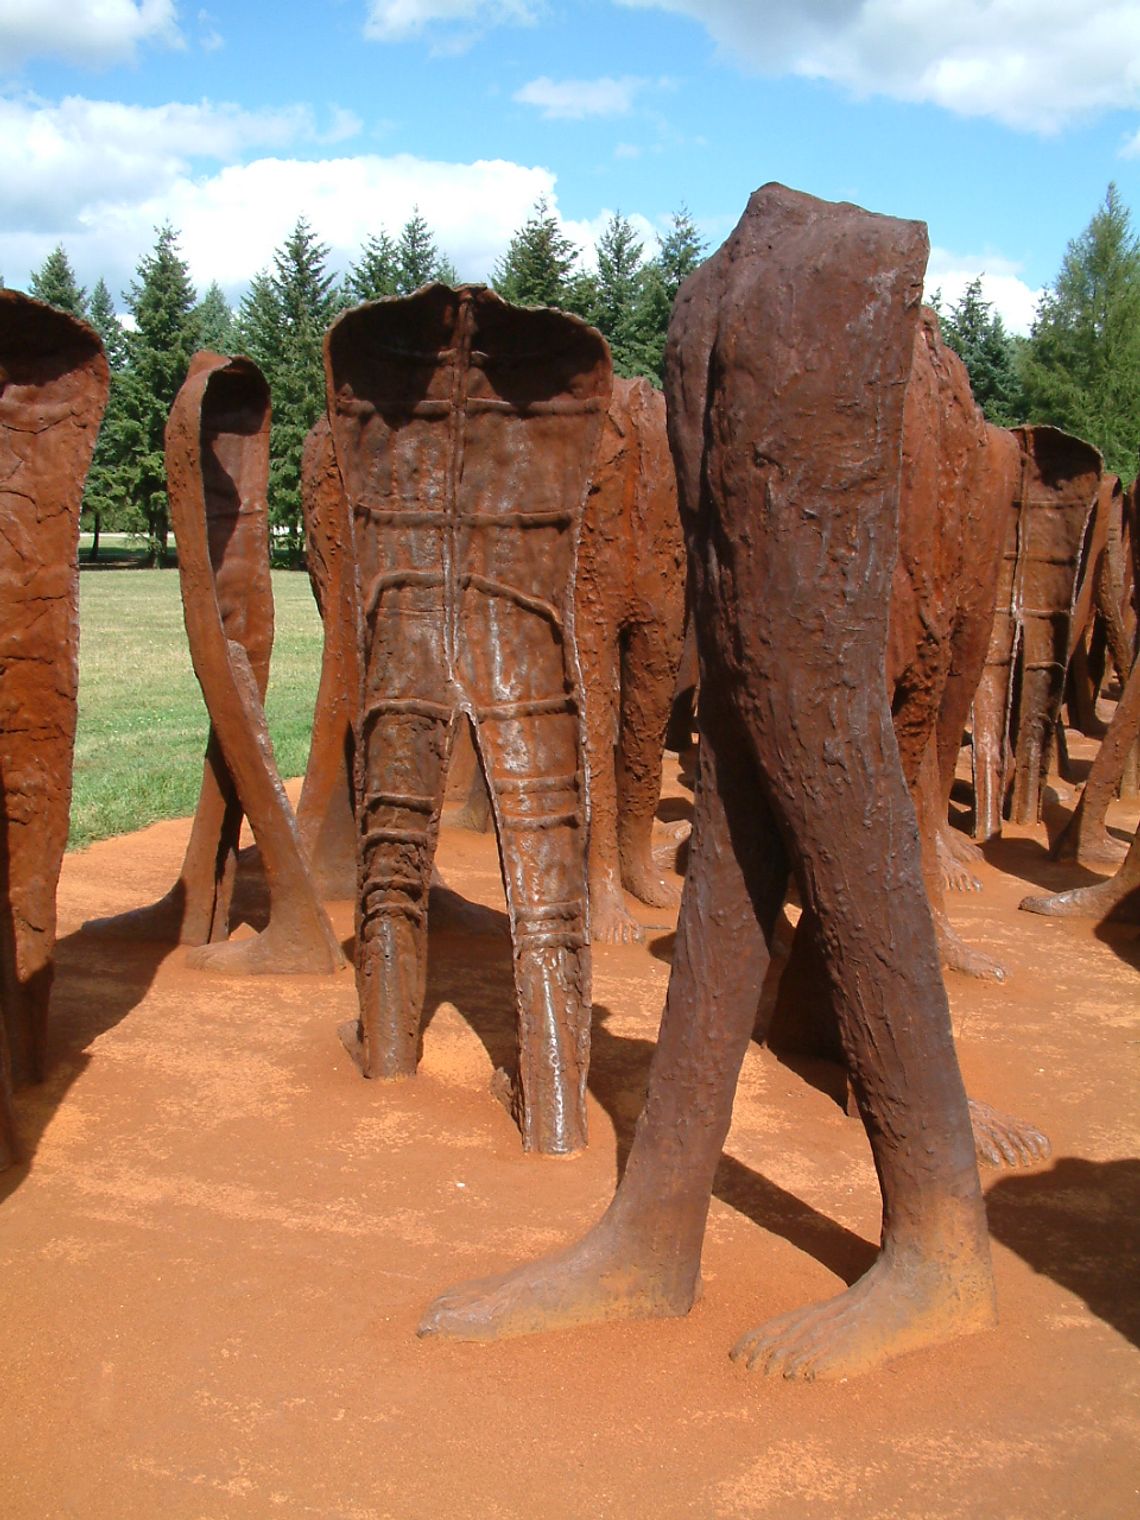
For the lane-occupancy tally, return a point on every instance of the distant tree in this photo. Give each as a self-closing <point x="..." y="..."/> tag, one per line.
<point x="977" y="335"/>
<point x="418" y="259"/>
<point x="216" y="326"/>
<point x="536" y="268"/>
<point x="165" y="336"/>
<point x="680" y="252"/>
<point x="619" y="299"/>
<point x="281" y="325"/>
<point x="376" y="273"/>
<point x="55" y="283"/>
<point x="105" y="502"/>
<point x="1081" y="366"/>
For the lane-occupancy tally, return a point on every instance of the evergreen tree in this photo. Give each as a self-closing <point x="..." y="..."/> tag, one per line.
<point x="417" y="257"/>
<point x="55" y="283"/>
<point x="376" y="273"/>
<point x="977" y="335"/>
<point x="536" y="268"/>
<point x="620" y="305"/>
<point x="159" y="349"/>
<point x="1081" y="366"/>
<point x="105" y="503"/>
<point x="215" y="321"/>
<point x="680" y="252"/>
<point x="281" y="326"/>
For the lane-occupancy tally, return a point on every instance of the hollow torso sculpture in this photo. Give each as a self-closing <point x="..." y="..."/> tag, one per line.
<point x="464" y="431"/>
<point x="787" y="364"/>
<point x="53" y="388"/>
<point x="629" y="612"/>
<point x="1037" y="589"/>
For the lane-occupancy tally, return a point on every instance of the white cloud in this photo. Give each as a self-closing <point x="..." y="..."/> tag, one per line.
<point x="78" y="154"/>
<point x="1013" y="300"/>
<point x="1032" y="64"/>
<point x="88" y="32"/>
<point x="397" y="20"/>
<point x="584" y="234"/>
<point x="575" y="99"/>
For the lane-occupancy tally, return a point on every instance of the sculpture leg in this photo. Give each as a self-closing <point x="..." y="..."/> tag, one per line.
<point x="643" y="1257"/>
<point x="649" y="665"/>
<point x="990" y="750"/>
<point x="1117" y="899"/>
<point x="400" y="796"/>
<point x="1085" y="837"/>
<point x="531" y="763"/>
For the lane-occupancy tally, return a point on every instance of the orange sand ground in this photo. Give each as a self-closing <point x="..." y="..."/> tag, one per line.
<point x="212" y="1269"/>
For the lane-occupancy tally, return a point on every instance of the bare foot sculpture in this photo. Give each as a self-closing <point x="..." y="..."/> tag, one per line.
<point x="464" y="430"/>
<point x="1116" y="900"/>
<point x="629" y="603"/>
<point x="786" y="368"/>
<point x="1060" y="479"/>
<point x="53" y="388"/>
<point x="217" y="467"/>
<point x="325" y="810"/>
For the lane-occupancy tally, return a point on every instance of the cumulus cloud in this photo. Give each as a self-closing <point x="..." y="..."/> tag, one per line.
<point x="1034" y="65"/>
<point x="79" y="154"/>
<point x="575" y="99"/>
<point x="1013" y="300"/>
<point x="398" y="20"/>
<point x="88" y="32"/>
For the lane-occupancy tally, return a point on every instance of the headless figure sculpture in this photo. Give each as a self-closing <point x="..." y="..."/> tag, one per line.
<point x="786" y="368"/>
<point x="629" y="601"/>
<point x="464" y="431"/>
<point x="53" y="388"/>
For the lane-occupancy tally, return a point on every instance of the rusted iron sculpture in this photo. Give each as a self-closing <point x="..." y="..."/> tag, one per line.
<point x="53" y="388"/>
<point x="1029" y="648"/>
<point x="629" y="604"/>
<point x="786" y="369"/>
<point x="464" y="430"/>
<point x="1116" y="900"/>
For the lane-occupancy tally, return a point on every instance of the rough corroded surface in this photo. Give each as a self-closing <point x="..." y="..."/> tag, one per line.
<point x="464" y="432"/>
<point x="629" y="603"/>
<point x="787" y="364"/>
<point x="53" y="388"/>
<point x="217" y="466"/>
<point x="1037" y="592"/>
<point x="325" y="809"/>
<point x="1116" y="899"/>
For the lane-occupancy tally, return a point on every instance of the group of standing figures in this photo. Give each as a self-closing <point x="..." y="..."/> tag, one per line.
<point x="496" y="539"/>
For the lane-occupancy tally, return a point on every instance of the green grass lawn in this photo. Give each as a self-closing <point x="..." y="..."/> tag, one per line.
<point x="142" y="721"/>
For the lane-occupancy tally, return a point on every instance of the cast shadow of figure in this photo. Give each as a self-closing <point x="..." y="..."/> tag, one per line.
<point x="97" y="984"/>
<point x="1078" y="1223"/>
<point x="480" y="986"/>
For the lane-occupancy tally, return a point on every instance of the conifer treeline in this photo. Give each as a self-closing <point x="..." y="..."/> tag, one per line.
<point x="1078" y="369"/>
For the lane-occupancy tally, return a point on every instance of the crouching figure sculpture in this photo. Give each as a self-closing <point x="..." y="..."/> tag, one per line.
<point x="464" y="432"/>
<point x="787" y="364"/>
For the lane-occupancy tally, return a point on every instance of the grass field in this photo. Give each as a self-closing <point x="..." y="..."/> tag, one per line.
<point x="142" y="721"/>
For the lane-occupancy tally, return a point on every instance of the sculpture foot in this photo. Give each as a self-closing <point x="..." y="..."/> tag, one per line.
<point x="1104" y="899"/>
<point x="271" y="953"/>
<point x="956" y="855"/>
<point x="611" y="922"/>
<point x="591" y="1281"/>
<point x="902" y="1304"/>
<point x="1002" y="1140"/>
<point x="958" y="956"/>
<point x="642" y="878"/>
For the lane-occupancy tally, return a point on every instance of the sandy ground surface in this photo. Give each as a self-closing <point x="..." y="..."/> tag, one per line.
<point x="212" y="1267"/>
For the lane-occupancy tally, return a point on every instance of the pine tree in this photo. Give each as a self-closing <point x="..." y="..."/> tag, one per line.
<point x="620" y="306"/>
<point x="159" y="349"/>
<point x="105" y="503"/>
<point x="977" y="335"/>
<point x="376" y="273"/>
<point x="680" y="252"/>
<point x="104" y="319"/>
<point x="1081" y="366"/>
<point x="215" y="321"/>
<point x="55" y="283"/>
<point x="536" y="268"/>
<point x="417" y="257"/>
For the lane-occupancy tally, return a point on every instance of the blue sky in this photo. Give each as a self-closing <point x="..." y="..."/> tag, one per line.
<point x="998" y="122"/>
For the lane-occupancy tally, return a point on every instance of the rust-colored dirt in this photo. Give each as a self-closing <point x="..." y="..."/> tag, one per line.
<point x="212" y="1269"/>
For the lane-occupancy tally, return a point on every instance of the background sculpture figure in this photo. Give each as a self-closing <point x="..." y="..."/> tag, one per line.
<point x="53" y="388"/>
<point x="629" y="601"/>
<point x="787" y="364"/>
<point x="217" y="464"/>
<point x="464" y="432"/>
